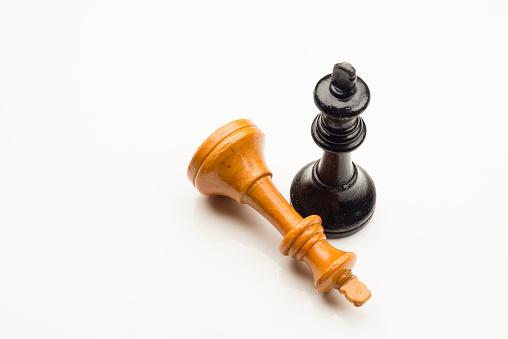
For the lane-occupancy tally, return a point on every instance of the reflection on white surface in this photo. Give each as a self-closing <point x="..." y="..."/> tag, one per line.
<point x="222" y="219"/>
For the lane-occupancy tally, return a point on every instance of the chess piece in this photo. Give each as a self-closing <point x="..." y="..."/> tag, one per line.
<point x="334" y="187"/>
<point x="231" y="163"/>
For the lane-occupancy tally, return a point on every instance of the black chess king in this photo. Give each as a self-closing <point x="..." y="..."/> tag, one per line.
<point x="334" y="187"/>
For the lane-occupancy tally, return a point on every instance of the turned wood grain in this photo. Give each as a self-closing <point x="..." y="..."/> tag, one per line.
<point x="231" y="163"/>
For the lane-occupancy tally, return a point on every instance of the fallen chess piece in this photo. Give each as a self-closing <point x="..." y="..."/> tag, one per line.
<point x="231" y="163"/>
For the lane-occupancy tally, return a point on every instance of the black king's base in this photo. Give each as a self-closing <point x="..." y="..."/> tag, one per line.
<point x="339" y="191"/>
<point x="345" y="209"/>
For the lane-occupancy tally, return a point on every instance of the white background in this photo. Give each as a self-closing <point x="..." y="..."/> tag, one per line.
<point x="102" y="104"/>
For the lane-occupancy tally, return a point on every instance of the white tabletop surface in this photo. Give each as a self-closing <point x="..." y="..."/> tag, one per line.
<point x="102" y="104"/>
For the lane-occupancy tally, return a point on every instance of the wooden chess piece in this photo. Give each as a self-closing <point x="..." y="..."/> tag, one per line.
<point x="334" y="187"/>
<point x="231" y="163"/>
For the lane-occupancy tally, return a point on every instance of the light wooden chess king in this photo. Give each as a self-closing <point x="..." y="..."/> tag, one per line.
<point x="231" y="163"/>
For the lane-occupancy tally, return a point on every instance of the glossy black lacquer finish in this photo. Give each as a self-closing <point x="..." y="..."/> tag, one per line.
<point x="336" y="189"/>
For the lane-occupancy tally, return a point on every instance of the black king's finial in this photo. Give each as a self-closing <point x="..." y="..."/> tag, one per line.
<point x="335" y="188"/>
<point x="343" y="80"/>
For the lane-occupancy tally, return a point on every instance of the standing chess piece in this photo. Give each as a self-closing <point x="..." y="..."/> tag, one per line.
<point x="334" y="187"/>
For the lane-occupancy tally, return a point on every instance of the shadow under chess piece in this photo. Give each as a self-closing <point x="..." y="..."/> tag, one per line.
<point x="334" y="187"/>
